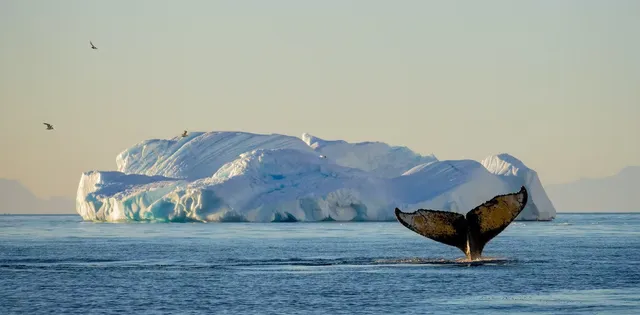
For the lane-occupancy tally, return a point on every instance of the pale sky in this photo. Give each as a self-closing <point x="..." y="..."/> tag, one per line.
<point x="555" y="83"/>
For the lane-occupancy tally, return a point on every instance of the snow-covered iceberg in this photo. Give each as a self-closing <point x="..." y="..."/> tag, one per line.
<point x="239" y="176"/>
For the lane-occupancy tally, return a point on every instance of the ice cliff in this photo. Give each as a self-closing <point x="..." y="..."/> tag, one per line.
<point x="239" y="176"/>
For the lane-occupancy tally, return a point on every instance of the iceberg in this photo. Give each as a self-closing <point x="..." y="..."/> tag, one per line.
<point x="247" y="177"/>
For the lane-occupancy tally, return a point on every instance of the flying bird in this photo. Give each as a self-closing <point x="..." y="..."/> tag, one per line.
<point x="184" y="134"/>
<point x="92" y="46"/>
<point x="49" y="126"/>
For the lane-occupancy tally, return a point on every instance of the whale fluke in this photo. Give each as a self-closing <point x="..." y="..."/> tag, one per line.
<point x="469" y="234"/>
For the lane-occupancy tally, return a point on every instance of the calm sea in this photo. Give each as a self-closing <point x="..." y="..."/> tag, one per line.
<point x="577" y="264"/>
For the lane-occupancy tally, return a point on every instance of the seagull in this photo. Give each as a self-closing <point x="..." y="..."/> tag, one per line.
<point x="92" y="46"/>
<point x="323" y="156"/>
<point x="184" y="134"/>
<point x="49" y="126"/>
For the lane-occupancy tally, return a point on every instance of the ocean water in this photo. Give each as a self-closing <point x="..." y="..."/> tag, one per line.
<point x="577" y="264"/>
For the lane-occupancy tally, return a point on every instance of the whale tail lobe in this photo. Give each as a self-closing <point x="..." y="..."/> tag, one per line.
<point x="471" y="233"/>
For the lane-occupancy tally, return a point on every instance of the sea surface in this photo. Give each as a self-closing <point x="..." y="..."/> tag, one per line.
<point x="577" y="264"/>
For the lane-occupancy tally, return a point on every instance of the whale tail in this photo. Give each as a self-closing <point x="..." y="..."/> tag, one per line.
<point x="471" y="233"/>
